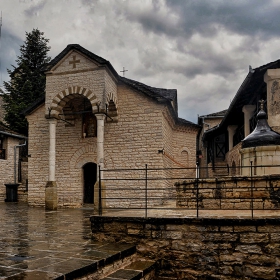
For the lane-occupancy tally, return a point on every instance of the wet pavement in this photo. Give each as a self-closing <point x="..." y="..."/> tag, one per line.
<point x="36" y="244"/>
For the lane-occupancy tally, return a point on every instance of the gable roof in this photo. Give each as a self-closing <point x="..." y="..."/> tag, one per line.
<point x="160" y="94"/>
<point x="250" y="91"/>
<point x="4" y="130"/>
<point x="169" y="94"/>
<point x="82" y="50"/>
<point x="39" y="101"/>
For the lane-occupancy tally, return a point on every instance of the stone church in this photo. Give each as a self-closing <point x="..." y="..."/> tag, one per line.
<point x="92" y="117"/>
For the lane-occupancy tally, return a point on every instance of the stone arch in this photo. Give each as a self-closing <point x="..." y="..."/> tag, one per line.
<point x="86" y="154"/>
<point x="78" y="158"/>
<point x="61" y="99"/>
<point x="184" y="149"/>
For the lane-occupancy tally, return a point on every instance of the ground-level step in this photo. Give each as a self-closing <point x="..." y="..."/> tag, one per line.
<point x="135" y="271"/>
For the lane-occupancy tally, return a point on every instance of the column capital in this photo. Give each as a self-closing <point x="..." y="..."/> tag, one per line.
<point x="248" y="109"/>
<point x="52" y="121"/>
<point x="100" y="116"/>
<point x="232" y="128"/>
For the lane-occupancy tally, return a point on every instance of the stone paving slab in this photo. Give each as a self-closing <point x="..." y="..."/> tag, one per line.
<point x="36" y="244"/>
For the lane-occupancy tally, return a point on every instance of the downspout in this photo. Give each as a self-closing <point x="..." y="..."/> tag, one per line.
<point x="15" y="160"/>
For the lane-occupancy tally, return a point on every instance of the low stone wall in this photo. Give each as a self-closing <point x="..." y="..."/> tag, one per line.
<point x="200" y="248"/>
<point x="230" y="193"/>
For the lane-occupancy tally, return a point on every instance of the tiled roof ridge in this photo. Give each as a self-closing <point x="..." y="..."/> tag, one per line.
<point x="4" y="128"/>
<point x="169" y="94"/>
<point x="181" y="120"/>
<point x="40" y="100"/>
<point x="220" y="113"/>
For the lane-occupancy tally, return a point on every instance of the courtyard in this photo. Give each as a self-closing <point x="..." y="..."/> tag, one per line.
<point x="39" y="244"/>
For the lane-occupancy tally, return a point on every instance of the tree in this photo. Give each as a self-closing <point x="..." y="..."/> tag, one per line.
<point x="27" y="81"/>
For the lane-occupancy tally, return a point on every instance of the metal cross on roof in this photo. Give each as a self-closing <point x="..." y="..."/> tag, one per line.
<point x="123" y="71"/>
<point x="74" y="61"/>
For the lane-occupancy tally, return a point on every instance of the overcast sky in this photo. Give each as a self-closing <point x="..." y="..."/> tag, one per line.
<point x="202" y="48"/>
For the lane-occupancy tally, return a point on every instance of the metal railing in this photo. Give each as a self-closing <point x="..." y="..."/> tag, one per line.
<point x="177" y="191"/>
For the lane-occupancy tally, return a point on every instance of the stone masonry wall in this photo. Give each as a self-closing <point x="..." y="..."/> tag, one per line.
<point x="7" y="166"/>
<point x="200" y="248"/>
<point x="131" y="142"/>
<point x="38" y="149"/>
<point x="230" y="193"/>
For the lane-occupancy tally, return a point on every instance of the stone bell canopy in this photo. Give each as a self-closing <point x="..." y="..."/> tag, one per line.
<point x="262" y="135"/>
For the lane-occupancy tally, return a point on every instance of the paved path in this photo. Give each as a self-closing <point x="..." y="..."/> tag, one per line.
<point x="38" y="244"/>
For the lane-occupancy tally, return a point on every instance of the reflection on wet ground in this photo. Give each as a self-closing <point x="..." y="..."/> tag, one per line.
<point x="39" y="244"/>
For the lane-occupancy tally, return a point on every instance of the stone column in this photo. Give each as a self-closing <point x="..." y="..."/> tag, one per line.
<point x="100" y="156"/>
<point x="272" y="79"/>
<point x="248" y="111"/>
<point x="100" y="139"/>
<point x="51" y="188"/>
<point x="231" y="130"/>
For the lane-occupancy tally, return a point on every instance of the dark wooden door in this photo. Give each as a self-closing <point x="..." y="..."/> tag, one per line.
<point x="89" y="181"/>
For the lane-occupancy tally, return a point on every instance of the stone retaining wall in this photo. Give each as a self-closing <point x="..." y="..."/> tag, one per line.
<point x="230" y="193"/>
<point x="200" y="248"/>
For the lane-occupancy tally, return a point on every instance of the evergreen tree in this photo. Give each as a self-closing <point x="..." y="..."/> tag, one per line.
<point x="27" y="81"/>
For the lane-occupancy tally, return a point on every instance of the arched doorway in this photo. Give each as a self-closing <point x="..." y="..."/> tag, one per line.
<point x="89" y="170"/>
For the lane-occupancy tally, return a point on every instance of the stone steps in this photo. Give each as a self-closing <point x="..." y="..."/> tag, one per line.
<point x="105" y="260"/>
<point x="135" y="271"/>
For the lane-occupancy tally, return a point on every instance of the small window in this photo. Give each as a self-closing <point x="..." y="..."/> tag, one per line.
<point x="2" y="147"/>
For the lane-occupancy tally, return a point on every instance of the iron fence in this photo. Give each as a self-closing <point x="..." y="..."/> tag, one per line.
<point x="179" y="191"/>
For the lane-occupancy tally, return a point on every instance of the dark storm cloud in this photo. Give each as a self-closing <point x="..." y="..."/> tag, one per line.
<point x="200" y="47"/>
<point x="181" y="21"/>
<point x="251" y="17"/>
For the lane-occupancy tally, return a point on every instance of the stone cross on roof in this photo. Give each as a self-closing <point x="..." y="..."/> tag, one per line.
<point x="74" y="61"/>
